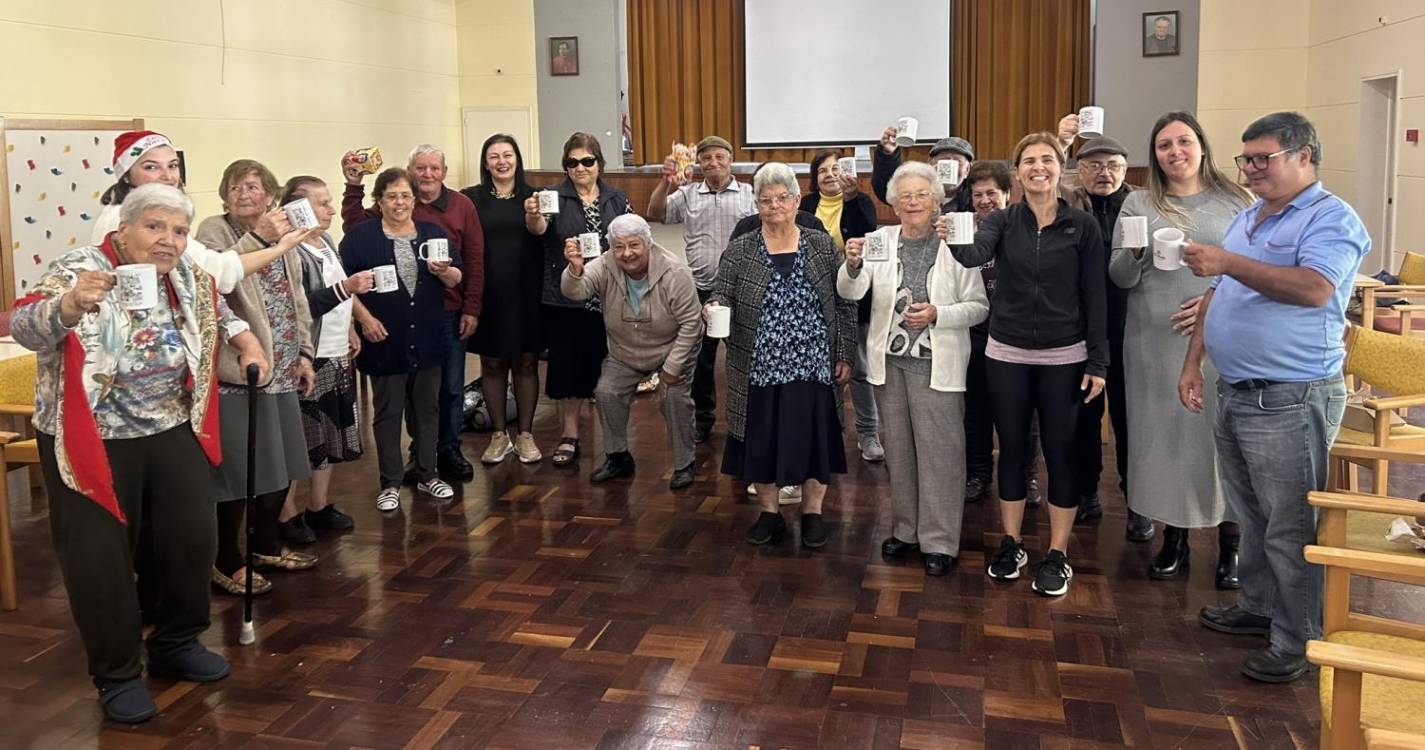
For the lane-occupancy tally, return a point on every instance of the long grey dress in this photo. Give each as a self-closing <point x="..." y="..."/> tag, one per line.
<point x="1172" y="466"/>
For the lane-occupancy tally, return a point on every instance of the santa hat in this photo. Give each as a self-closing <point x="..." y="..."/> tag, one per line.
<point x="128" y="147"/>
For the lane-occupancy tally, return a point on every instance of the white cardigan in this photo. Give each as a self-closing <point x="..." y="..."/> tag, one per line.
<point x="225" y="266"/>
<point x="958" y="294"/>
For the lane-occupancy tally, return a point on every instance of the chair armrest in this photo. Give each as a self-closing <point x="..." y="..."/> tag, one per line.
<point x="1367" y="503"/>
<point x="1371" y="564"/>
<point x="8" y="437"/>
<point x="26" y="410"/>
<point x="1389" y="739"/>
<point x="1390" y="402"/>
<point x="1398" y="290"/>
<point x="1365" y="660"/>
<point x="1407" y="308"/>
<point x="1375" y="453"/>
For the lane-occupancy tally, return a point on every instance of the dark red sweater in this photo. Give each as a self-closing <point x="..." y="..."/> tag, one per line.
<point x="456" y="215"/>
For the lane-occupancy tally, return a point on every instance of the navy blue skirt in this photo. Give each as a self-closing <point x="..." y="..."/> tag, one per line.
<point x="793" y="434"/>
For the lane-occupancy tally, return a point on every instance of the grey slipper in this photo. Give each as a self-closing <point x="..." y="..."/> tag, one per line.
<point x="127" y="702"/>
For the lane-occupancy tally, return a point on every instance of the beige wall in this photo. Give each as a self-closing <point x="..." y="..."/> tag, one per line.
<point x="293" y="84"/>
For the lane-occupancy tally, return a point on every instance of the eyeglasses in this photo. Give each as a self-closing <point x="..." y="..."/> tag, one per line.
<point x="923" y="195"/>
<point x="777" y="200"/>
<point x="1258" y="161"/>
<point x="1097" y="167"/>
<point x="587" y="161"/>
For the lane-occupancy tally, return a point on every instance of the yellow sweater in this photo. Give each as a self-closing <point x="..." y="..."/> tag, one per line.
<point x="828" y="209"/>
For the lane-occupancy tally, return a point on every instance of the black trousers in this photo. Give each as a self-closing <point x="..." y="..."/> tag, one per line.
<point x="1052" y="392"/>
<point x="980" y="417"/>
<point x="705" y="376"/>
<point x="1089" y="445"/>
<point x="162" y="481"/>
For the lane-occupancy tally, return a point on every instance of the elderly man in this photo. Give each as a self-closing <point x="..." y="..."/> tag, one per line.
<point x="456" y="215"/>
<point x="708" y="211"/>
<point x="1160" y="42"/>
<point x="887" y="158"/>
<point x="654" y="322"/>
<point x="1102" y="166"/>
<point x="1273" y="323"/>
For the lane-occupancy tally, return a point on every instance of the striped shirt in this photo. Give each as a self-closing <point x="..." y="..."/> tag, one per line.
<point x="708" y="219"/>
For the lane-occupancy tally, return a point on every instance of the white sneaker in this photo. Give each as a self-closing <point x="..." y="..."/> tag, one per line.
<point x="437" y="488"/>
<point x="871" y="449"/>
<point x="526" y="449"/>
<point x="498" y="449"/>
<point x="789" y="495"/>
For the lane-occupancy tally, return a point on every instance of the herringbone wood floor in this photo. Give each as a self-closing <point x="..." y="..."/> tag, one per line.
<point x="540" y="611"/>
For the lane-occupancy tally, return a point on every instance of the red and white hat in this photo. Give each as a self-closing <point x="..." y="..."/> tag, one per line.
<point x="128" y="147"/>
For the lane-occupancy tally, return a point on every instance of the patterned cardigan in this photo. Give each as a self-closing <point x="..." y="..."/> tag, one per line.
<point x="742" y="279"/>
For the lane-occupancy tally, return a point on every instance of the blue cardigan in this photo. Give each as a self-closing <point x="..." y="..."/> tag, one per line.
<point x="414" y="323"/>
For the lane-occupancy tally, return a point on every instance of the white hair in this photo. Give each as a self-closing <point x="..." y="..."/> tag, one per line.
<point x="915" y="169"/>
<point x="425" y="149"/>
<point x="154" y="195"/>
<point x="775" y="173"/>
<point x="630" y="225"/>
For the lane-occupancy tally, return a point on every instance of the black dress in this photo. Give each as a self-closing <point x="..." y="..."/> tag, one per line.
<point x="510" y="318"/>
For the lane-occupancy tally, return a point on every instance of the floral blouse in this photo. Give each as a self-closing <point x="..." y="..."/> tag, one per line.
<point x="792" y="341"/>
<point x="149" y="393"/>
<point x="282" y="317"/>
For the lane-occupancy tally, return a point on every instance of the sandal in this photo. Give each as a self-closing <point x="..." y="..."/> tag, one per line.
<point x="436" y="488"/>
<point x="288" y="560"/>
<point x="565" y="456"/>
<point x="235" y="587"/>
<point x="389" y="499"/>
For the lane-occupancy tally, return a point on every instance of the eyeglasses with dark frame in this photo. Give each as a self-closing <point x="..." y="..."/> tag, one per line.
<point x="1259" y="161"/>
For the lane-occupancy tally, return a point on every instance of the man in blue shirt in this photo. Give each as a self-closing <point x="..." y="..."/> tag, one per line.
<point x="1273" y="324"/>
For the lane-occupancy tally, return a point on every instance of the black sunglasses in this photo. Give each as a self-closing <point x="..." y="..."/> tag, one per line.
<point x="587" y="161"/>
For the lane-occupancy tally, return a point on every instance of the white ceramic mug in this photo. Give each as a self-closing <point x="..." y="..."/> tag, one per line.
<point x="300" y="214"/>
<point x="847" y="165"/>
<point x="385" y="279"/>
<point x="435" y="249"/>
<point x="1168" y="249"/>
<point x="589" y="245"/>
<point x="875" y="250"/>
<point x="719" y="322"/>
<point x="960" y="228"/>
<point x="548" y="201"/>
<point x="1135" y="231"/>
<point x="136" y="286"/>
<point x="1091" y="122"/>
<point x="948" y="171"/>
<point x="906" y="128"/>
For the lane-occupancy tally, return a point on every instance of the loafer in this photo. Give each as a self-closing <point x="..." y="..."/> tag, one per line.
<point x="1272" y="664"/>
<point x="452" y="465"/>
<point x="296" y="532"/>
<point x="937" y="564"/>
<point x="1234" y="620"/>
<point x="127" y="702"/>
<point x="769" y="528"/>
<point x="813" y="531"/>
<point x="893" y="548"/>
<point x="329" y="519"/>
<point x="615" y="465"/>
<point x="1090" y="510"/>
<point x="191" y="662"/>
<point x="976" y="489"/>
<point x="1140" y="527"/>
<point x="681" y="478"/>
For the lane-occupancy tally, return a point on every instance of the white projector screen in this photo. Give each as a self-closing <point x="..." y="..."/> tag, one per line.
<point x="837" y="72"/>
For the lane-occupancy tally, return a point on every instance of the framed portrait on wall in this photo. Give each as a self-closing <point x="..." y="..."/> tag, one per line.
<point x="564" y="55"/>
<point x="1160" y="33"/>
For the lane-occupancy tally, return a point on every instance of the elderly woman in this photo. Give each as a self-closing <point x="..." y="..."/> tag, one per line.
<point x="404" y="350"/>
<point x="330" y="417"/>
<point x="272" y="303"/>
<point x="142" y="157"/>
<point x="922" y="306"/>
<point x="847" y="214"/>
<point x="1173" y="464"/>
<point x="1047" y="349"/>
<point x="654" y="326"/>
<point x="573" y="330"/>
<point x="126" y="409"/>
<point x="792" y="338"/>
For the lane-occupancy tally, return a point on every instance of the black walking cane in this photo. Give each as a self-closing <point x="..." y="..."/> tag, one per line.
<point x="248" y="635"/>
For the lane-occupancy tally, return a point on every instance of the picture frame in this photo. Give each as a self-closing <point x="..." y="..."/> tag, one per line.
<point x="564" y="55"/>
<point x="1161" y="34"/>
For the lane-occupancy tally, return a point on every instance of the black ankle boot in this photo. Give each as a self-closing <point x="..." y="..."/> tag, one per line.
<point x="1172" y="559"/>
<point x="1227" y="545"/>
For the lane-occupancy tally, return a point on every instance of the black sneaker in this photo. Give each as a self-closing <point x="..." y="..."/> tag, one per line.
<point x="977" y="489"/>
<point x="769" y="528"/>
<point x="1053" y="576"/>
<point x="813" y="530"/>
<point x="329" y="519"/>
<point x="296" y="531"/>
<point x="1009" y="560"/>
<point x="1090" y="510"/>
<point x="453" y="466"/>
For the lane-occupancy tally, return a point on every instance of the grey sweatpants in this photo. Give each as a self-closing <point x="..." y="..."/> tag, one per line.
<point x="417" y="392"/>
<point x="923" y="431"/>
<point x="618" y="383"/>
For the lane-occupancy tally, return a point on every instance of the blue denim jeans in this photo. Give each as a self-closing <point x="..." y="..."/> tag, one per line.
<point x="452" y="386"/>
<point x="1272" y="442"/>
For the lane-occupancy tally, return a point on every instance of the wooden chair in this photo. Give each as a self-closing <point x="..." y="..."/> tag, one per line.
<point x="1395" y="365"/>
<point x="17" y="450"/>
<point x="1385" y="739"/>
<point x="1404" y="319"/>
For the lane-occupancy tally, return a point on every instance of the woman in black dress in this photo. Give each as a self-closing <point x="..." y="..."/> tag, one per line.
<point x="508" y="337"/>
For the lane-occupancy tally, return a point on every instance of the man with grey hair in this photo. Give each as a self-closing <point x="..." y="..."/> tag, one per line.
<point x="1273" y="322"/>
<point x="653" y="320"/>
<point x="456" y="214"/>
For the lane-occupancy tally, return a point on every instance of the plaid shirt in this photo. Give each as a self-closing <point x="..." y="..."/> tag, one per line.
<point x="708" y="218"/>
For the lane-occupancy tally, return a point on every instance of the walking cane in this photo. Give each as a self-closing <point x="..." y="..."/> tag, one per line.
<point x="248" y="636"/>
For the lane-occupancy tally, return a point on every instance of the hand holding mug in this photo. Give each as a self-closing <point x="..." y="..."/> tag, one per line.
<point x="849" y="186"/>
<point x="888" y="139"/>
<point x="86" y="294"/>
<point x="1068" y="128"/>
<point x="531" y="206"/>
<point x="360" y="282"/>
<point x="854" y="248"/>
<point x="291" y="238"/>
<point x="670" y="172"/>
<point x="438" y="267"/>
<point x="942" y="227"/>
<point x="1206" y="260"/>
<point x="708" y="307"/>
<point x="574" y="256"/>
<point x="272" y="226"/>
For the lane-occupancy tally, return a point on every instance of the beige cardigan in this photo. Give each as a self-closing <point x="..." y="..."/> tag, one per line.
<point x="219" y="233"/>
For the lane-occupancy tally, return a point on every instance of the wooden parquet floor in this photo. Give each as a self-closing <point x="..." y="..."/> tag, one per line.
<point x="540" y="611"/>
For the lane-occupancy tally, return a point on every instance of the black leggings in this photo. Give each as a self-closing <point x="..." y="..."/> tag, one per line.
<point x="232" y="532"/>
<point x="1017" y="392"/>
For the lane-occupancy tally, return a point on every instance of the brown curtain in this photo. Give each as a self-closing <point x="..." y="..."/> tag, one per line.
<point x="1017" y="66"/>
